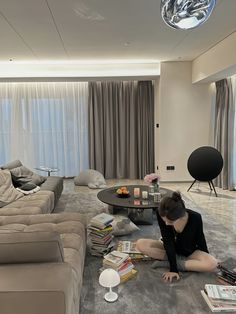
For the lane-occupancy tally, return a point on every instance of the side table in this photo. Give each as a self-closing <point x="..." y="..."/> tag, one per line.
<point x="47" y="169"/>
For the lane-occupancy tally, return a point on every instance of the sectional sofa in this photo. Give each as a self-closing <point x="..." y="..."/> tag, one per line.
<point x="41" y="202"/>
<point x="42" y="261"/>
<point x="41" y="254"/>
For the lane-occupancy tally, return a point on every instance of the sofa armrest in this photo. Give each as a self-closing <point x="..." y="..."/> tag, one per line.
<point x="37" y="288"/>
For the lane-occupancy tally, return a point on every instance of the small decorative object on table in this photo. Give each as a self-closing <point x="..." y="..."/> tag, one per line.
<point x="123" y="192"/>
<point x="144" y="195"/>
<point x="153" y="180"/>
<point x="136" y="192"/>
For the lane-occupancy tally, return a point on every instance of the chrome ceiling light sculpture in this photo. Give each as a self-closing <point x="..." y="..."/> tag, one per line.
<point x="186" y="14"/>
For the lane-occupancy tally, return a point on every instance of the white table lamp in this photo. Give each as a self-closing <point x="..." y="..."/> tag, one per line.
<point x="109" y="278"/>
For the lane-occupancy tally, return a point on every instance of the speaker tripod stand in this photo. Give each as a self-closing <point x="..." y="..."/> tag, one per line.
<point x="211" y="185"/>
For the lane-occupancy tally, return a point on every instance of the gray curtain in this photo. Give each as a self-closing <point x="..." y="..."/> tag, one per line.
<point x="121" y="128"/>
<point x="224" y="131"/>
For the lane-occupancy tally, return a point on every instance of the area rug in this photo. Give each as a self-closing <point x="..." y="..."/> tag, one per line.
<point x="147" y="292"/>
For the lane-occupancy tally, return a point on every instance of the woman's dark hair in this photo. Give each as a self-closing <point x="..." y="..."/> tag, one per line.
<point x="172" y="207"/>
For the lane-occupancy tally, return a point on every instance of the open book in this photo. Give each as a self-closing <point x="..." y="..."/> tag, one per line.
<point x="129" y="247"/>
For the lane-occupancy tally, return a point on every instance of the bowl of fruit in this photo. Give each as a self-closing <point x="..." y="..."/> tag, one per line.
<point x="122" y="192"/>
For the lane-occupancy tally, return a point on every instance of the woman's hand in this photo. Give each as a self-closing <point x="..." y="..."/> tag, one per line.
<point x="168" y="276"/>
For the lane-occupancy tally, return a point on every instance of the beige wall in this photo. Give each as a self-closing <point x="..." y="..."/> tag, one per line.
<point x="217" y="63"/>
<point x="183" y="111"/>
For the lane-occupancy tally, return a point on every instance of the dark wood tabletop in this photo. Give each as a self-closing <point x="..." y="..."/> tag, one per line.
<point x="110" y="197"/>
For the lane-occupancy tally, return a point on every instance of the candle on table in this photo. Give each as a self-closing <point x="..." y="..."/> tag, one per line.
<point x="136" y="192"/>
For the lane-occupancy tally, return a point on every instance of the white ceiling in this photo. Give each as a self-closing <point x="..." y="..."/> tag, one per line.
<point x="104" y="30"/>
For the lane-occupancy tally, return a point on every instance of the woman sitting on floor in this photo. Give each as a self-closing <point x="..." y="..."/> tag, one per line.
<point x="183" y="246"/>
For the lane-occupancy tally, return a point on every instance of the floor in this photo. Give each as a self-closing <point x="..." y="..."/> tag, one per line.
<point x="147" y="293"/>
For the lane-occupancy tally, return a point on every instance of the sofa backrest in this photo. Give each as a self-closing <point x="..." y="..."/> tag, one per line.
<point x="30" y="247"/>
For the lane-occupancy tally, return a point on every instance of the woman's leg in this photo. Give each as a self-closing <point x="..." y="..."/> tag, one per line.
<point x="152" y="248"/>
<point x="200" y="261"/>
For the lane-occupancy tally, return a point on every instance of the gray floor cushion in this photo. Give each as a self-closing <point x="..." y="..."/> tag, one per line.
<point x="92" y="178"/>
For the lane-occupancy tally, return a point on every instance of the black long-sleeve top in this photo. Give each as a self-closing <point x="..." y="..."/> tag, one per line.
<point x="185" y="243"/>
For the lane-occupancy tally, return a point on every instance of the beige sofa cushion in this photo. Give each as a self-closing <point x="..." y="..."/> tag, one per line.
<point x="30" y="247"/>
<point x="8" y="193"/>
<point x="70" y="226"/>
<point x="43" y="287"/>
<point x="41" y="202"/>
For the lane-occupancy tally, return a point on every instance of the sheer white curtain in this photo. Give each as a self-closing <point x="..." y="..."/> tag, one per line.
<point x="45" y="124"/>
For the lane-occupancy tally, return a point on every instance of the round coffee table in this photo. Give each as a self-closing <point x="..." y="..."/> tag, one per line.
<point x="110" y="197"/>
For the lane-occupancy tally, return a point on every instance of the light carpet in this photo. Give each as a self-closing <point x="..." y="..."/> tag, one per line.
<point x="146" y="293"/>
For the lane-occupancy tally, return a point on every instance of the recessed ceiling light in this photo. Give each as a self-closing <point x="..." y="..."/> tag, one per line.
<point x="127" y="43"/>
<point x="83" y="11"/>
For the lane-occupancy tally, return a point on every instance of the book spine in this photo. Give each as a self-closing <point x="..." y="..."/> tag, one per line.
<point x="226" y="279"/>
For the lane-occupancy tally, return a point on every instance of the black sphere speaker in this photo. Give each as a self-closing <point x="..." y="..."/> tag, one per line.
<point x="205" y="164"/>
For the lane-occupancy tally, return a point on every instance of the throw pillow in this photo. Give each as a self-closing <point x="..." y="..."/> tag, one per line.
<point x="28" y="186"/>
<point x="12" y="164"/>
<point x="8" y="193"/>
<point x="22" y="175"/>
<point x="122" y="226"/>
<point x="92" y="178"/>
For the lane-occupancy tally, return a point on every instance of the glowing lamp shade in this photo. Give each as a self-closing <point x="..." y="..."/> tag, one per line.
<point x="109" y="278"/>
<point x="186" y="14"/>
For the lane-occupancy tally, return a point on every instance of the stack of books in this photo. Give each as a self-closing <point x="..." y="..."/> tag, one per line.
<point x="220" y="298"/>
<point x="121" y="263"/>
<point x="100" y="234"/>
<point x="227" y="272"/>
<point x="129" y="247"/>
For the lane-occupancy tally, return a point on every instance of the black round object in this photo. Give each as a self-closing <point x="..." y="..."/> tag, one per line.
<point x="205" y="163"/>
<point x="123" y="195"/>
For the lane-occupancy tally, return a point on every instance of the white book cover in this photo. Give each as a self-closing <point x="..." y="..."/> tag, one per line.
<point x="116" y="257"/>
<point x="103" y="218"/>
<point x="221" y="292"/>
<point x="128" y="247"/>
<point x="217" y="306"/>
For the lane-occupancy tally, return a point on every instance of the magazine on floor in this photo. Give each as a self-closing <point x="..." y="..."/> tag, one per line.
<point x="129" y="247"/>
<point x="221" y="292"/>
<point x="229" y="265"/>
<point x="218" y="306"/>
<point x="101" y="220"/>
<point x="116" y="258"/>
